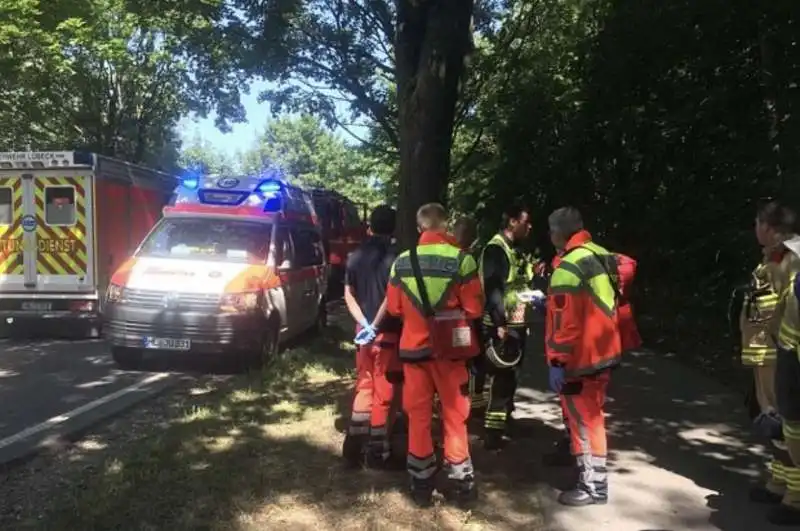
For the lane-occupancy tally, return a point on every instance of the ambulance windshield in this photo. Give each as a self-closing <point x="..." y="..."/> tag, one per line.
<point x="209" y="239"/>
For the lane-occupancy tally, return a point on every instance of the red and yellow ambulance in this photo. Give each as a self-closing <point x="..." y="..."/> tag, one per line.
<point x="235" y="266"/>
<point x="67" y="220"/>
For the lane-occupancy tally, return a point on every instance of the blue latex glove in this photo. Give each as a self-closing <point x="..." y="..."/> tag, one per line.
<point x="365" y="336"/>
<point x="557" y="377"/>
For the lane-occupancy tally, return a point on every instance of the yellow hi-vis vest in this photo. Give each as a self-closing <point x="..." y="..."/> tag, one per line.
<point x="756" y="320"/>
<point x="520" y="275"/>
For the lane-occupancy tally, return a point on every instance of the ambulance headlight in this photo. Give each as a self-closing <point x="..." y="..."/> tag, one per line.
<point x="115" y="293"/>
<point x="240" y="302"/>
<point x="190" y="182"/>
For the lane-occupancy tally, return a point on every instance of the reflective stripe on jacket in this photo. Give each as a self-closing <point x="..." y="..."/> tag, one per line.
<point x="520" y="275"/>
<point x="451" y="281"/>
<point x="582" y="330"/>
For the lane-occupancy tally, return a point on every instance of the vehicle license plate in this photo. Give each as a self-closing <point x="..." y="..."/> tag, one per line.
<point x="37" y="306"/>
<point x="164" y="343"/>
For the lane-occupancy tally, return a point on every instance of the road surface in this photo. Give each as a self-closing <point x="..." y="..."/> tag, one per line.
<point x="49" y="388"/>
<point x="681" y="452"/>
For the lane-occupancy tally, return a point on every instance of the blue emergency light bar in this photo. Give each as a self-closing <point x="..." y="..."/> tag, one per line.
<point x="269" y="186"/>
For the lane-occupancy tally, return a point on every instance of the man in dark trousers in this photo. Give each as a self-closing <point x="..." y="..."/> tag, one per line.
<point x="377" y="337"/>
<point x="505" y="273"/>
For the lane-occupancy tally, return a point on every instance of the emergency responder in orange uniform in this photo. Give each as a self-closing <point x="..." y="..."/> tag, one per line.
<point x="377" y="364"/>
<point x="505" y="273"/>
<point x="770" y="327"/>
<point x="434" y="288"/>
<point x="582" y="345"/>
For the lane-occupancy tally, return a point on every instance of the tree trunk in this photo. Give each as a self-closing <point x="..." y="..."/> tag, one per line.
<point x="433" y="39"/>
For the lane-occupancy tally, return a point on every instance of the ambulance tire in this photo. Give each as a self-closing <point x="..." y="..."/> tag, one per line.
<point x="270" y="344"/>
<point x="127" y="358"/>
<point x="321" y="322"/>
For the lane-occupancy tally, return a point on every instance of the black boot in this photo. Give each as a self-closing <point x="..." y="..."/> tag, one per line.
<point x="353" y="450"/>
<point x="421" y="492"/>
<point x="783" y="515"/>
<point x="579" y="497"/>
<point x="493" y="440"/>
<point x="461" y="491"/>
<point x="561" y="455"/>
<point x="764" y="495"/>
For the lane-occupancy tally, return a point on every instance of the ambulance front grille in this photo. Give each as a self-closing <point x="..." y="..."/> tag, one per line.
<point x="190" y="302"/>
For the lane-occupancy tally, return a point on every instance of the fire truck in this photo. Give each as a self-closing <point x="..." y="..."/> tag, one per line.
<point x="67" y="220"/>
<point x="235" y="266"/>
<point x="344" y="227"/>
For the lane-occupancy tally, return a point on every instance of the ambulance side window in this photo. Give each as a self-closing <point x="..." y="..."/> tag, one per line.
<point x="59" y="205"/>
<point x="6" y="208"/>
<point x="284" y="254"/>
<point x="308" y="246"/>
<point x="352" y="218"/>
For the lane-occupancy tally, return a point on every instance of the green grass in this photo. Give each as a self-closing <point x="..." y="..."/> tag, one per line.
<point x="258" y="452"/>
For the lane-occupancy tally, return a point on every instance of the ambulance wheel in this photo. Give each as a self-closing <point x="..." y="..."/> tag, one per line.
<point x="127" y="358"/>
<point x="321" y="322"/>
<point x="270" y="344"/>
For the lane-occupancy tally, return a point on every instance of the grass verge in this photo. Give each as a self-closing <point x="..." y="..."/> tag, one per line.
<point x="259" y="451"/>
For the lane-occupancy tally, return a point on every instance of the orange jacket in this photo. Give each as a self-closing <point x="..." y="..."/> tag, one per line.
<point x="582" y="332"/>
<point x="464" y="294"/>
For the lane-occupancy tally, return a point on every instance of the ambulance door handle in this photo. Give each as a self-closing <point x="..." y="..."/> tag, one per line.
<point x="309" y="292"/>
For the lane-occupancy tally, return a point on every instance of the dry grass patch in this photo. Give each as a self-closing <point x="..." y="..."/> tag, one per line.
<point x="258" y="452"/>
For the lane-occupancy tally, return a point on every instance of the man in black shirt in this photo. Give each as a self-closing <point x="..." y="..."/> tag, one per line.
<point x="377" y="364"/>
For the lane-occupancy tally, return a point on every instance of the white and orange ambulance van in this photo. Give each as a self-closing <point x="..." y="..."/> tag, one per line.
<point x="235" y="266"/>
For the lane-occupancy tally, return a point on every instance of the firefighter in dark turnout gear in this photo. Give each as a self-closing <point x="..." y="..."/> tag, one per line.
<point x="505" y="273"/>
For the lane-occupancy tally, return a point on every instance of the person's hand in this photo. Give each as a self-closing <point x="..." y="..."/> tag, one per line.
<point x="557" y="377"/>
<point x="502" y="332"/>
<point x="365" y="336"/>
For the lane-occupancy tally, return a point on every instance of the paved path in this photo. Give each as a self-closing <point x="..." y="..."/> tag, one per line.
<point x="682" y="456"/>
<point x="49" y="387"/>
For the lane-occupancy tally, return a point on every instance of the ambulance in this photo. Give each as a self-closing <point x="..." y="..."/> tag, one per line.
<point x="344" y="228"/>
<point x="67" y="219"/>
<point x="235" y="267"/>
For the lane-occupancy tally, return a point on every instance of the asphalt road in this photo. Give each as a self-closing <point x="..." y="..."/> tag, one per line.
<point x="51" y="387"/>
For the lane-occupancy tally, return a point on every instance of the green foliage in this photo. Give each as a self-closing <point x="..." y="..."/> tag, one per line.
<point x="303" y="151"/>
<point x="108" y="76"/>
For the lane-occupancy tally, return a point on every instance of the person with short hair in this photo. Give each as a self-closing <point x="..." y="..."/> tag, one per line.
<point x="377" y="364"/>
<point x="582" y="345"/>
<point x="435" y="290"/>
<point x="505" y="273"/>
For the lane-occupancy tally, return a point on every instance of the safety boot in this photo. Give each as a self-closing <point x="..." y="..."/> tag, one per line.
<point x="353" y="450"/>
<point x="493" y="440"/>
<point x="461" y="491"/>
<point x="580" y="497"/>
<point x="763" y="495"/>
<point x="783" y="515"/>
<point x="421" y="492"/>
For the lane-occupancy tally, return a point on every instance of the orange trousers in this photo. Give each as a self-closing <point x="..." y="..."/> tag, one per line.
<point x="450" y="380"/>
<point x="587" y="430"/>
<point x="373" y="394"/>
